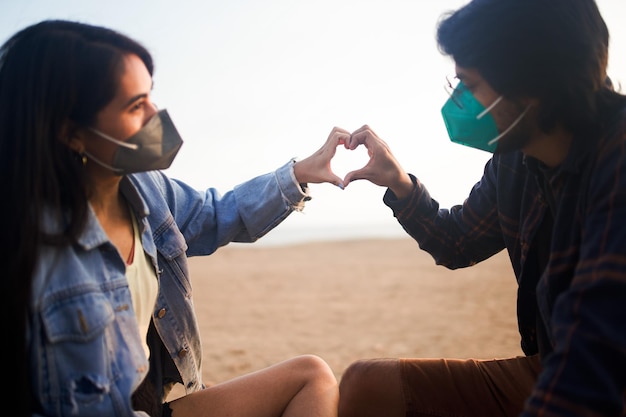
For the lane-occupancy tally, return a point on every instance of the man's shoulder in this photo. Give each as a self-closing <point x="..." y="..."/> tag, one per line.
<point x="613" y="134"/>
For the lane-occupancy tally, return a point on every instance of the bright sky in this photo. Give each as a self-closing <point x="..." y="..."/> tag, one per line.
<point x="250" y="84"/>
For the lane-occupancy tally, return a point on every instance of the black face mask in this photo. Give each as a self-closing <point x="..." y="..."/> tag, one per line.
<point x="153" y="147"/>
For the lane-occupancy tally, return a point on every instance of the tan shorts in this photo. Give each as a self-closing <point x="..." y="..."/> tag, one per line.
<point x="477" y="388"/>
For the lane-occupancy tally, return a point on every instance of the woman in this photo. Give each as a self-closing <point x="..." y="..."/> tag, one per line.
<point x="96" y="239"/>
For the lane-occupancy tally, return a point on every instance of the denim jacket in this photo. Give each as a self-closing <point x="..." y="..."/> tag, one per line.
<point x="85" y="348"/>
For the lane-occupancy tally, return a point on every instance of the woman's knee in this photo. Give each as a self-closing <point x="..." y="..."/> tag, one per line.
<point x="314" y="368"/>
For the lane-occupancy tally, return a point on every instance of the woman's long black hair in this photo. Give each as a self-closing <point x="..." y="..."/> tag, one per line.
<point x="55" y="76"/>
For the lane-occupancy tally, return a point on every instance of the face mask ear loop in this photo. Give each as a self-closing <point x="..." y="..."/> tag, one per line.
<point x="132" y="146"/>
<point x="488" y="109"/>
<point x="497" y="138"/>
<point x="102" y="164"/>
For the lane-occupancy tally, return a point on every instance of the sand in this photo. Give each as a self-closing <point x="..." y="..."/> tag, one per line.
<point x="347" y="300"/>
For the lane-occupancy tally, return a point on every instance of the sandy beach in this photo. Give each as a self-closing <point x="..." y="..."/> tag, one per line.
<point x="346" y="300"/>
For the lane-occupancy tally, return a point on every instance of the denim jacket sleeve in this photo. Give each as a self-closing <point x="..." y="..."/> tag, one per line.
<point x="208" y="219"/>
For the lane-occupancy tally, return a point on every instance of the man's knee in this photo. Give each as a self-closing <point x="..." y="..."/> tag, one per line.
<point x="355" y="378"/>
<point x="370" y="384"/>
<point x="372" y="372"/>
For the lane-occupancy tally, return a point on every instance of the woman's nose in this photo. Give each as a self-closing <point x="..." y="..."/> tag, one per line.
<point x="153" y="109"/>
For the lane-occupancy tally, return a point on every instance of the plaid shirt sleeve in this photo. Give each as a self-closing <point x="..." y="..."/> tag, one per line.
<point x="448" y="235"/>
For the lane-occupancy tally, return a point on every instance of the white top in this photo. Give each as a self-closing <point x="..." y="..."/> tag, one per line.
<point x="143" y="285"/>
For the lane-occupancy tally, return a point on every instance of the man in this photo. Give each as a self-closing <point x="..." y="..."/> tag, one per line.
<point x="533" y="89"/>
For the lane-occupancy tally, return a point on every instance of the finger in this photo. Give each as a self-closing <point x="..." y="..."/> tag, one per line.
<point x="331" y="178"/>
<point x="340" y="138"/>
<point x="355" y="175"/>
<point x="361" y="136"/>
<point x="337" y="182"/>
<point x="363" y="129"/>
<point x="338" y="129"/>
<point x="329" y="148"/>
<point x="338" y="135"/>
<point x="355" y="140"/>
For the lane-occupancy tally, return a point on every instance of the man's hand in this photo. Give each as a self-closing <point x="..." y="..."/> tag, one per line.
<point x="382" y="168"/>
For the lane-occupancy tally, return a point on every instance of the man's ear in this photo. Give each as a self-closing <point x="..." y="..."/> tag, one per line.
<point x="71" y="135"/>
<point x="530" y="101"/>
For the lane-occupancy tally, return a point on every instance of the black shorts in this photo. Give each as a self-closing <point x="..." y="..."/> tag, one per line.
<point x="167" y="411"/>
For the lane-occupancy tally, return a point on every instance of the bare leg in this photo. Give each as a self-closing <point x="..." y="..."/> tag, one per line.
<point x="300" y="387"/>
<point x="372" y="388"/>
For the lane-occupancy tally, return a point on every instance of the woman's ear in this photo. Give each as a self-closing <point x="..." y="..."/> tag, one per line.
<point x="71" y="136"/>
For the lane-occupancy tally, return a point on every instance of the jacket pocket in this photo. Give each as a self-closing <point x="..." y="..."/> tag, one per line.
<point x="77" y="319"/>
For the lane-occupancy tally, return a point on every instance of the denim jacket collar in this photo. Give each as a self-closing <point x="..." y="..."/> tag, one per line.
<point x="93" y="235"/>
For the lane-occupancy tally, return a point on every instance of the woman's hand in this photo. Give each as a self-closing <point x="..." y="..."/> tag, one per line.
<point x="316" y="168"/>
<point x="382" y="168"/>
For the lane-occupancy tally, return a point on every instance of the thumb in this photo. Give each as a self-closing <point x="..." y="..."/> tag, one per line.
<point x="358" y="174"/>
<point x="331" y="178"/>
<point x="338" y="182"/>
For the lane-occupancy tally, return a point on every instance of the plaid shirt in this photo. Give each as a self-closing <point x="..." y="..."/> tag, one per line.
<point x="571" y="279"/>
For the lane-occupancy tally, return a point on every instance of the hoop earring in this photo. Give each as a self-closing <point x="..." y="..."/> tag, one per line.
<point x="84" y="159"/>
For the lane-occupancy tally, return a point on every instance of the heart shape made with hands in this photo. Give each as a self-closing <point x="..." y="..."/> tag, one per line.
<point x="346" y="160"/>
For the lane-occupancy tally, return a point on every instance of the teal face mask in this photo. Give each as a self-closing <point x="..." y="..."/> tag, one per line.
<point x="468" y="122"/>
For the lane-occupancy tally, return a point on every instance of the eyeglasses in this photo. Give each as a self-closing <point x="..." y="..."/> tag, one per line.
<point x="454" y="87"/>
